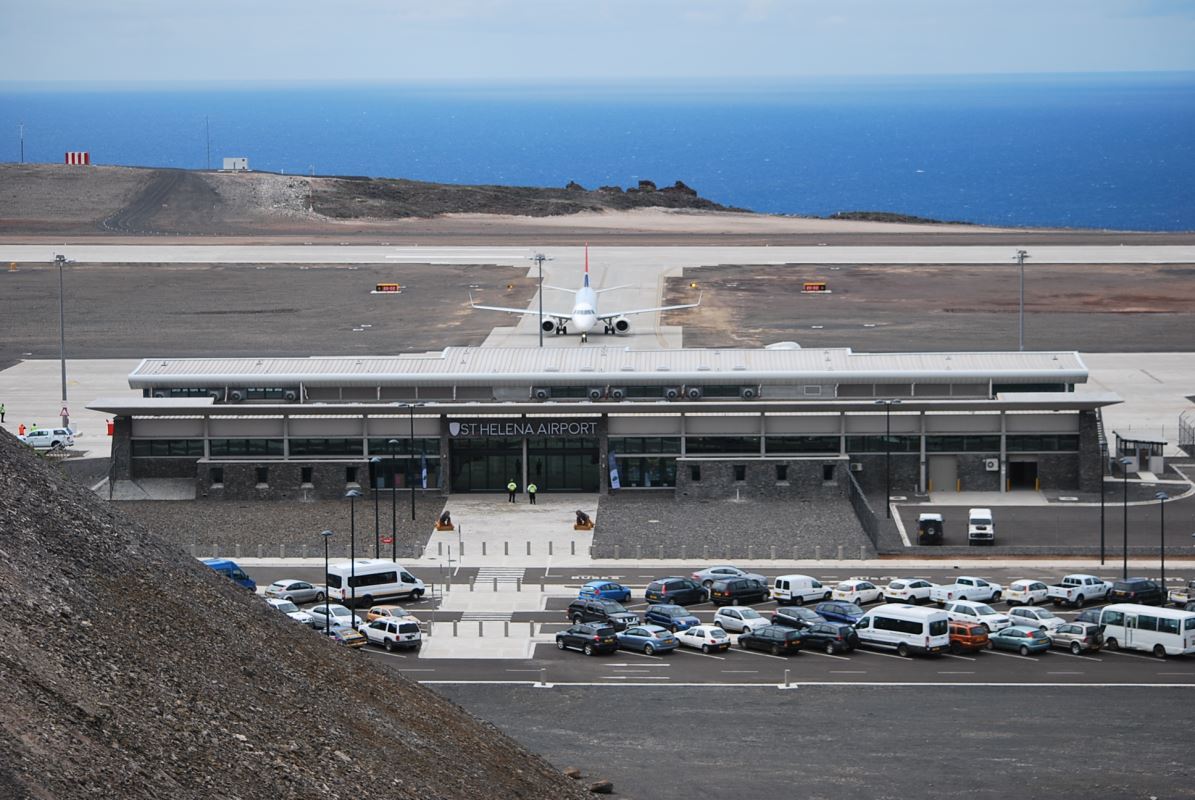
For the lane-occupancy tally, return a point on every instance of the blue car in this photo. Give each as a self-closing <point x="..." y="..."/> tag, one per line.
<point x="647" y="639"/>
<point x="839" y="611"/>
<point x="606" y="590"/>
<point x="674" y="618"/>
<point x="231" y="570"/>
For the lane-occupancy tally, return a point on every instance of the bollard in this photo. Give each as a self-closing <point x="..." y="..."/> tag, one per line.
<point x="506" y="628"/>
<point x="543" y="676"/>
<point x="237" y="550"/>
<point x="541" y="585"/>
<point x="480" y="629"/>
<point x="532" y="629"/>
<point x="528" y="548"/>
<point x="549" y="547"/>
<point x="259" y="551"/>
<point x="454" y="630"/>
<point x="682" y="552"/>
<point x="572" y="547"/>
<point x="840" y="552"/>
<point x="786" y="678"/>
<point x="448" y="583"/>
<point x="471" y="583"/>
<point x="506" y="548"/>
<point x="483" y="548"/>
<point x="282" y="551"/>
<point x="439" y="548"/>
<point x="661" y="552"/>
<point x="705" y="552"/>
<point x="617" y="551"/>
<point x="772" y="552"/>
<point x="303" y="550"/>
<point x="518" y="584"/>
<point x="862" y="552"/>
<point x="430" y="626"/>
<point x="192" y="550"/>
<point x="460" y="550"/>
<point x="750" y="552"/>
<point x="638" y="552"/>
<point x="817" y="552"/>
<point x="495" y="584"/>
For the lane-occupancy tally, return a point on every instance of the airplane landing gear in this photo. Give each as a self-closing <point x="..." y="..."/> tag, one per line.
<point x="584" y="338"/>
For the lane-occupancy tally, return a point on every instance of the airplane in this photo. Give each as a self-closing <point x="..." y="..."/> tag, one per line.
<point x="584" y="316"/>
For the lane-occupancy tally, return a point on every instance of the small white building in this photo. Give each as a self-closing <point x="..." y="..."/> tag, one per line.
<point x="240" y="164"/>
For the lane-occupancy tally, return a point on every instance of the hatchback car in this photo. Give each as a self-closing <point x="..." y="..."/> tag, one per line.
<point x="838" y="611"/>
<point x="1035" y="617"/>
<point x="1020" y="638"/>
<point x="776" y="639"/>
<point x="332" y="615"/>
<point x="589" y="638"/>
<point x="49" y="438"/>
<point x="723" y="572"/>
<point x="1078" y="637"/>
<point x="907" y="590"/>
<point x="682" y="591"/>
<point x="738" y="590"/>
<point x="647" y="639"/>
<point x="595" y="610"/>
<point x="738" y="619"/>
<point x="796" y="617"/>
<point x="968" y="637"/>
<point x="344" y="635"/>
<point x="607" y="590"/>
<point x="389" y="611"/>
<point x="674" y="618"/>
<point x="857" y="592"/>
<point x="833" y="637"/>
<point x="706" y="638"/>
<point x="290" y="609"/>
<point x="1137" y="590"/>
<point x="969" y="611"/>
<point x="295" y="591"/>
<point x="1026" y="593"/>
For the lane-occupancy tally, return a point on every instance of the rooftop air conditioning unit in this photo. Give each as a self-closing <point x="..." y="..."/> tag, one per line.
<point x="856" y="466"/>
<point x="991" y="464"/>
<point x="671" y="392"/>
<point x="541" y="393"/>
<point x="693" y="392"/>
<point x="749" y="392"/>
<point x="160" y="393"/>
<point x="216" y="394"/>
<point x="291" y="395"/>
<point x="618" y="393"/>
<point x="236" y="395"/>
<point x="595" y="392"/>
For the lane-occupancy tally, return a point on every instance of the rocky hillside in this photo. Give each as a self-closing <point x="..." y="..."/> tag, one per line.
<point x="128" y="670"/>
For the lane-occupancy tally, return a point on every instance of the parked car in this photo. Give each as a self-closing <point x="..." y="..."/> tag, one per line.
<point x="722" y="572"/>
<point x="295" y="591"/>
<point x="929" y="529"/>
<point x="589" y="638"/>
<point x="968" y="611"/>
<point x="1020" y="638"/>
<point x="674" y="618"/>
<point x="332" y="615"/>
<point x="392" y="634"/>
<point x="682" y="591"/>
<point x="1078" y="637"/>
<point x="833" y="637"/>
<point x="390" y="611"/>
<point x="647" y="639"/>
<point x="981" y="528"/>
<point x="346" y="636"/>
<point x="738" y="619"/>
<point x="706" y="638"/>
<point x="1141" y="591"/>
<point x="1026" y="593"/>
<point x="857" y="592"/>
<point x="776" y="639"/>
<point x="738" y="590"/>
<point x="1034" y="617"/>
<point x="967" y="637"/>
<point x="967" y="587"/>
<point x="607" y="590"/>
<point x="1182" y="596"/>
<point x="1091" y="615"/>
<point x="1077" y="589"/>
<point x="49" y="438"/>
<point x="796" y="617"/>
<point x="595" y="610"/>
<point x="839" y="611"/>
<point x="907" y="590"/>
<point x="799" y="589"/>
<point x="290" y="609"/>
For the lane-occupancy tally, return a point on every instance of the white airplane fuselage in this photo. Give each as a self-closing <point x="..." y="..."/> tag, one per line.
<point x="584" y="318"/>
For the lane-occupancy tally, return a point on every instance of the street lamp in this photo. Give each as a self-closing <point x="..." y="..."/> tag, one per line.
<point x="393" y="504"/>
<point x="1124" y="471"/>
<point x="60" y="260"/>
<point x="539" y="259"/>
<point x="375" y="466"/>
<point x="1162" y="497"/>
<point x="887" y="404"/>
<point x="352" y="495"/>
<point x="1103" y="462"/>
<point x="411" y="453"/>
<point x="1020" y="257"/>
<point x="326" y="535"/>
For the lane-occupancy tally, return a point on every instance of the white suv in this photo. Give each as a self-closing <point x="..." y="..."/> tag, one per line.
<point x="970" y="611"/>
<point x="49" y="438"/>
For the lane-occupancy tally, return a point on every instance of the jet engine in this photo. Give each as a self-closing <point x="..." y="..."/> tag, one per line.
<point x="548" y="324"/>
<point x="621" y="325"/>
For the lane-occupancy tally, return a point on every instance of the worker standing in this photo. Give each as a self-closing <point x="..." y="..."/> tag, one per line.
<point x="531" y="490"/>
<point x="2" y="410"/>
<point x="511" y="488"/>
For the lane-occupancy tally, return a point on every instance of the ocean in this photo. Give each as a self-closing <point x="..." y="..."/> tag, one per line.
<point x="1086" y="151"/>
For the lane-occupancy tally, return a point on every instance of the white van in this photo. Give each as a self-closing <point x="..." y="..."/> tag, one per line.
<point x="905" y="628"/>
<point x="373" y="579"/>
<point x="981" y="529"/>
<point x="1161" y="631"/>
<point x="799" y="589"/>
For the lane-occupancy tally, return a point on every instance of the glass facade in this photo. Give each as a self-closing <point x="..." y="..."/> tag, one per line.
<point x="875" y="444"/>
<point x="988" y="443"/>
<point x="1042" y="442"/>
<point x="167" y="448"/>
<point x="325" y="447"/>
<point x="716" y="445"/>
<point x="783" y="445"/>
<point x="642" y="472"/>
<point x="221" y="448"/>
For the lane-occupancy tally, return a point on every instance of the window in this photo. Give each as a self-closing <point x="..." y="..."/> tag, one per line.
<point x="695" y="473"/>
<point x="1035" y="443"/>
<point x="1167" y="625"/>
<point x="812" y="391"/>
<point x="938" y="627"/>
<point x="781" y="474"/>
<point x="325" y="447"/>
<point x="620" y="445"/>
<point x="373" y="579"/>
<point x="828" y="472"/>
<point x="1147" y="623"/>
<point x="875" y="444"/>
<point x="305" y="474"/>
<point x="778" y="445"/>
<point x="698" y="445"/>
<point x="167" y="448"/>
<point x="898" y="625"/>
<point x="216" y="476"/>
<point x="1112" y="618"/>
<point x="740" y="472"/>
<point x="961" y="444"/>
<point x="245" y="447"/>
<point x="350" y="475"/>
<point x="263" y="475"/>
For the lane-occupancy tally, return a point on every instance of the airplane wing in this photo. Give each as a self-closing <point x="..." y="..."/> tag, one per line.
<point x="553" y="314"/>
<point x="616" y="314"/>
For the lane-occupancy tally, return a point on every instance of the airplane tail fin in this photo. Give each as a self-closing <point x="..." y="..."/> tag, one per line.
<point x="587" y="264"/>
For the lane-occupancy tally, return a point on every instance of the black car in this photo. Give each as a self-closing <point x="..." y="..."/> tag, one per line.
<point x="592" y="609"/>
<point x="1089" y="615"/>
<point x="796" y="617"/>
<point x="681" y="591"/>
<point x="776" y="639"/>
<point x="738" y="591"/>
<point x="833" y="637"/>
<point x="1137" y="590"/>
<point x="589" y="638"/>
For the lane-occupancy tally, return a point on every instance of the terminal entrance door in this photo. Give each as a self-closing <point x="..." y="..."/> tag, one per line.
<point x="564" y="465"/>
<point x="559" y="464"/>
<point x="486" y="465"/>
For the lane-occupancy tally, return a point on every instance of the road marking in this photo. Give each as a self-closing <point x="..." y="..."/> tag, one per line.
<point x="961" y="658"/>
<point x="1064" y="673"/>
<point x="640" y="655"/>
<point x="1128" y="655"/>
<point x="1011" y="655"/>
<point x="944" y="672"/>
<point x="703" y="655"/>
<point x="824" y="655"/>
<point x="384" y="653"/>
<point x="415" y="669"/>
<point x="848" y="671"/>
<point x="772" y="685"/>
<point x="1188" y="674"/>
<point x="884" y="655"/>
<point x="636" y="677"/>
<point x="637" y="666"/>
<point x="753" y="653"/>
<point x="743" y="671"/>
<point x="1085" y="658"/>
<point x="524" y="670"/>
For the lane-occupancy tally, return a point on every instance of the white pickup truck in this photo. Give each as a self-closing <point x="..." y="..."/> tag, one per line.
<point x="966" y="587"/>
<point x="1075" y="590"/>
<point x="1180" y="597"/>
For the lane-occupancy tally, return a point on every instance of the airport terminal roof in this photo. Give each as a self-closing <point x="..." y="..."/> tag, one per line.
<point x="604" y="363"/>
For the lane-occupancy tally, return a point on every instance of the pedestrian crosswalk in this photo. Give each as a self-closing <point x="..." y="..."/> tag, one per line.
<point x="502" y="574"/>
<point x="486" y="616"/>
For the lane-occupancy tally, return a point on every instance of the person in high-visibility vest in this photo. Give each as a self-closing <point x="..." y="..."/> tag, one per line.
<point x="531" y="490"/>
<point x="511" y="488"/>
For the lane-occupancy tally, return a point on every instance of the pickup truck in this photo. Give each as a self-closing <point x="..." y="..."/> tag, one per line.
<point x="1180" y="597"/>
<point x="966" y="587"/>
<point x="1075" y="590"/>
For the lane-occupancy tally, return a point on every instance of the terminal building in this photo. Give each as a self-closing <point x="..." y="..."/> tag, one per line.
<point x="696" y="423"/>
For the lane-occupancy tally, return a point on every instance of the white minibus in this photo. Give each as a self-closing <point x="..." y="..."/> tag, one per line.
<point x="905" y="628"/>
<point x="373" y="579"/>
<point x="1161" y="631"/>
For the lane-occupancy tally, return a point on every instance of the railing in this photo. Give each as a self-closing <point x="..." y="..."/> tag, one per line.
<point x="867" y="517"/>
<point x="1186" y="432"/>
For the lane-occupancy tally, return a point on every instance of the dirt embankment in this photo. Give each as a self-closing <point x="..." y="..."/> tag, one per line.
<point x="130" y="670"/>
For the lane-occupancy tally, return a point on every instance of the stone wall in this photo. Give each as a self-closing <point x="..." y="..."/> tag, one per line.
<point x="805" y="479"/>
<point x="283" y="480"/>
<point x="1060" y="471"/>
<point x="1090" y="465"/>
<point x="973" y="473"/>
<point x="906" y="473"/>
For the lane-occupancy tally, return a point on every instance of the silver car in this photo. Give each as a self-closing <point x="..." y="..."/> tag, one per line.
<point x="723" y="571"/>
<point x="1078" y="637"/>
<point x="291" y="610"/>
<point x="339" y="616"/>
<point x="295" y="591"/>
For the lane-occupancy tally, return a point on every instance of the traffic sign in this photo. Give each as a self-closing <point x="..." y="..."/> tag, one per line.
<point x="387" y="540"/>
<point x="64" y="412"/>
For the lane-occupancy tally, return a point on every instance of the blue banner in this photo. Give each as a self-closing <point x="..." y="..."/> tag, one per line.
<point x="614" y="482"/>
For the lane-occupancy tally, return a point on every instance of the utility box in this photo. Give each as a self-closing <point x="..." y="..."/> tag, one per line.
<point x="239" y="164"/>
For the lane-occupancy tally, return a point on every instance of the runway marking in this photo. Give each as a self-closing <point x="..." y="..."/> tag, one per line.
<point x="848" y="672"/>
<point x="636" y="677"/>
<point x="1011" y="655"/>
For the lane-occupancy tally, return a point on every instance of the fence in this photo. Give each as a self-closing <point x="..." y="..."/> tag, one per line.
<point x="867" y="517"/>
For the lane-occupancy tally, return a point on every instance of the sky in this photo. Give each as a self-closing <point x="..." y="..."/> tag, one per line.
<point x="552" y="40"/>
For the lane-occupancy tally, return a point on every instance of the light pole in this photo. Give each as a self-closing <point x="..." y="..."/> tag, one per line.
<point x="393" y="504"/>
<point x="1162" y="497"/>
<point x="375" y="466"/>
<point x="887" y="404"/>
<point x="411" y="453"/>
<point x="1103" y="462"/>
<point x="352" y="495"/>
<point x="1124" y="471"/>
<point x="60" y="260"/>
<point x="326" y="535"/>
<point x="1020" y="257"/>
<point x="539" y="259"/>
